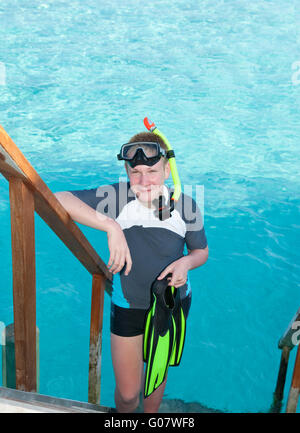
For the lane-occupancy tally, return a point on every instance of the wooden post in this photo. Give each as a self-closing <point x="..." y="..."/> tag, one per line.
<point x="98" y="287"/>
<point x="295" y="387"/>
<point x="24" y="291"/>
<point x="8" y="357"/>
<point x="278" y="394"/>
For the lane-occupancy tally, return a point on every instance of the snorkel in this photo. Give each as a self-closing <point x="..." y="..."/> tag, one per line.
<point x="164" y="211"/>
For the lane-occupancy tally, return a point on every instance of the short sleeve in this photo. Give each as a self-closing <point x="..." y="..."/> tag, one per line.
<point x="88" y="196"/>
<point x="107" y="199"/>
<point x="196" y="239"/>
<point x="195" y="236"/>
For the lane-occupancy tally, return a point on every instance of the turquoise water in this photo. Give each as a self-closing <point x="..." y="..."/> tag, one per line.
<point x="217" y="78"/>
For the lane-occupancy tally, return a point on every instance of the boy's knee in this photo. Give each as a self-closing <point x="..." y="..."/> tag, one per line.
<point x="129" y="397"/>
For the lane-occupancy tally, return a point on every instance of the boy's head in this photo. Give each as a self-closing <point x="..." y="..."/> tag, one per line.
<point x="147" y="180"/>
<point x="140" y="151"/>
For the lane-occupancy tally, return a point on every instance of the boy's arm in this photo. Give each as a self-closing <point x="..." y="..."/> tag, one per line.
<point x="86" y="215"/>
<point x="180" y="267"/>
<point x="83" y="213"/>
<point x="196" y="258"/>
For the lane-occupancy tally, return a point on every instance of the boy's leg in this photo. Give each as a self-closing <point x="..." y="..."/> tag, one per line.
<point x="127" y="358"/>
<point x="152" y="403"/>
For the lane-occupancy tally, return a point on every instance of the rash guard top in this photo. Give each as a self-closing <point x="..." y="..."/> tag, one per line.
<point x="153" y="244"/>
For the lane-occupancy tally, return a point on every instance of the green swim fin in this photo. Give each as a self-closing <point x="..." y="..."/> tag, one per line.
<point x="180" y="323"/>
<point x="164" y="334"/>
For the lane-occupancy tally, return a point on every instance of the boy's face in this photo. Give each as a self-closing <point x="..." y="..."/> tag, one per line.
<point x="147" y="181"/>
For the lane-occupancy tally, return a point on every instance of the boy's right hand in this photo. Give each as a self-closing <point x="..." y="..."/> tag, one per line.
<point x="118" y="248"/>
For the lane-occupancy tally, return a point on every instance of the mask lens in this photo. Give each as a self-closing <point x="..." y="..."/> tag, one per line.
<point x="149" y="149"/>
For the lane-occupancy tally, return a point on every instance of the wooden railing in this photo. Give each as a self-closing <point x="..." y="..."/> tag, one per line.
<point x="28" y="193"/>
<point x="287" y="342"/>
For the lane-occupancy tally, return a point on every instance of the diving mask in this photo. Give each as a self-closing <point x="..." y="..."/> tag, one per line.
<point x="140" y="153"/>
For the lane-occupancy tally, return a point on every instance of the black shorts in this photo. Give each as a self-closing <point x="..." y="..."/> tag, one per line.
<point x="129" y="322"/>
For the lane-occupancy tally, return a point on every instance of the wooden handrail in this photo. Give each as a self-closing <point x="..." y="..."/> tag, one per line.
<point x="287" y="339"/>
<point x="14" y="164"/>
<point x="29" y="193"/>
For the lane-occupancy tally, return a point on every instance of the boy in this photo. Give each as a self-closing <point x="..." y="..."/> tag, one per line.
<point x="142" y="248"/>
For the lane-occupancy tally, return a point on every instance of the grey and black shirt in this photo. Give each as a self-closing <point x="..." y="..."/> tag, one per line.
<point x="153" y="244"/>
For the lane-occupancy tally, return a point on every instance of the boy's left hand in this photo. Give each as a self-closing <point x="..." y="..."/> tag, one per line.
<point x="179" y="270"/>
